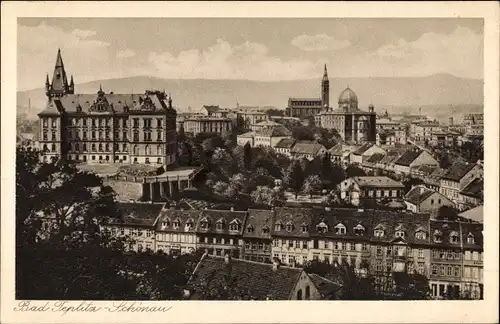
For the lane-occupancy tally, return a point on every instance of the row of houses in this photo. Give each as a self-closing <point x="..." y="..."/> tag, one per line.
<point x="448" y="252"/>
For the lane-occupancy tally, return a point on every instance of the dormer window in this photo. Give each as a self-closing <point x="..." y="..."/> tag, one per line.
<point x="470" y="238"/>
<point x="322" y="228"/>
<point x="304" y="228"/>
<point x="219" y="225"/>
<point x="289" y="226"/>
<point x="189" y="224"/>
<point x="277" y="226"/>
<point x="165" y="223"/>
<point x="234" y="225"/>
<point x="400" y="234"/>
<point x="265" y="229"/>
<point x="438" y="236"/>
<point x="454" y="237"/>
<point x="340" y="229"/>
<point x="359" y="229"/>
<point x="420" y="235"/>
<point x="176" y="224"/>
<point x="250" y="229"/>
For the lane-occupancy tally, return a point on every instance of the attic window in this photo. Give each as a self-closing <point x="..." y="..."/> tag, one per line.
<point x="250" y="229"/>
<point x="454" y="237"/>
<point x="470" y="238"/>
<point x="265" y="230"/>
<point x="219" y="225"/>
<point x="234" y="225"/>
<point x="378" y="233"/>
<point x="340" y="229"/>
<point x="400" y="234"/>
<point x="277" y="226"/>
<point x="304" y="228"/>
<point x="189" y="224"/>
<point x="176" y="224"/>
<point x="420" y="235"/>
<point x="359" y="229"/>
<point x="204" y="224"/>
<point x="289" y="227"/>
<point x="438" y="237"/>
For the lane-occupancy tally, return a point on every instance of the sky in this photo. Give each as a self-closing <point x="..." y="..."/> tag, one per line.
<point x="263" y="49"/>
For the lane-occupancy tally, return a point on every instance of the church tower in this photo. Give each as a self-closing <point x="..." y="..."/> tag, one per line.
<point x="59" y="86"/>
<point x="325" y="90"/>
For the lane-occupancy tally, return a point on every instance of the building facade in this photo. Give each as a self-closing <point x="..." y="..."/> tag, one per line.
<point x="304" y="108"/>
<point x="106" y="127"/>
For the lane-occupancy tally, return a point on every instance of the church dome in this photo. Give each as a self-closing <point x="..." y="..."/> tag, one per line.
<point x="348" y="96"/>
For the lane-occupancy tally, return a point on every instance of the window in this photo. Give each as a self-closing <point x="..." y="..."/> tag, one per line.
<point x="378" y="233"/>
<point x="265" y="230"/>
<point x="450" y="271"/>
<point x="379" y="250"/>
<point x="470" y="238"/>
<point x="457" y="271"/>
<point x="299" y="294"/>
<point x="277" y="226"/>
<point x="308" y="292"/>
<point x="438" y="237"/>
<point x="400" y="234"/>
<point x="250" y="229"/>
<point x="359" y="229"/>
<point x="176" y="224"/>
<point x="219" y="225"/>
<point x="454" y="237"/>
<point x="340" y="229"/>
<point x="434" y="270"/>
<point x="442" y="270"/>
<point x="304" y="228"/>
<point x="421" y="235"/>
<point x="289" y="227"/>
<point x="364" y="247"/>
<point x="421" y="253"/>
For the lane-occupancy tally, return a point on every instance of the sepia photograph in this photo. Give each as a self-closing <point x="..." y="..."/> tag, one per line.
<point x="249" y="159"/>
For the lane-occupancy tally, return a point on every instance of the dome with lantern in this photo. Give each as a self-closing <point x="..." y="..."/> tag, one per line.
<point x="348" y="99"/>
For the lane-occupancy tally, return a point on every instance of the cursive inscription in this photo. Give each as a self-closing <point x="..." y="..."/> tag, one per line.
<point x="65" y="307"/>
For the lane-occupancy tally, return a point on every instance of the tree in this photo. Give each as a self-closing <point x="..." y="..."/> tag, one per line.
<point x="411" y="182"/>
<point x="294" y="178"/>
<point x="445" y="161"/>
<point x="411" y="286"/>
<point x="266" y="196"/>
<point x="312" y="184"/>
<point x="220" y="188"/>
<point x="354" y="171"/>
<point x="447" y="213"/>
<point x="247" y="156"/>
<point x="275" y="112"/>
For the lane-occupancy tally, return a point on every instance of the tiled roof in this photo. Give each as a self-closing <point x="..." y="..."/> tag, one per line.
<point x="118" y="102"/>
<point x="306" y="147"/>
<point x="336" y="150"/>
<point x="305" y="99"/>
<point x="458" y="170"/>
<point x="181" y="221"/>
<point x="202" y="204"/>
<point x="296" y="217"/>
<point x="408" y="157"/>
<point x="474" y="189"/>
<point x="211" y="109"/>
<point x="390" y="157"/>
<point x="418" y="194"/>
<point x="362" y="149"/>
<point x="408" y="222"/>
<point x="426" y="169"/>
<point x="268" y="123"/>
<point x="377" y="157"/>
<point x="271" y="131"/>
<point x="325" y="286"/>
<point x="326" y="223"/>
<point x="377" y="181"/>
<point x="259" y="224"/>
<point x="256" y="280"/>
<point x="138" y="214"/>
<point x="247" y="134"/>
<point x="225" y="217"/>
<point x="462" y="229"/>
<point x="285" y="143"/>
<point x="475" y="214"/>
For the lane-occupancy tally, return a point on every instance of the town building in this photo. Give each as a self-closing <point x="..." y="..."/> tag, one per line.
<point x="364" y="152"/>
<point x="257" y="240"/>
<point x="285" y="146"/>
<point x="207" y="124"/>
<point x="137" y="222"/>
<point x="249" y="280"/>
<point x="457" y="178"/>
<point x="251" y="117"/>
<point x="220" y="232"/>
<point x="176" y="231"/>
<point x="421" y="131"/>
<point x="473" y="119"/>
<point x="106" y="127"/>
<point x="307" y="149"/>
<point x="472" y="195"/>
<point x="356" y="189"/>
<point x="413" y="158"/>
<point x="304" y="108"/>
<point x="353" y="124"/>
<point x="475" y="214"/>
<point x="391" y="137"/>
<point x="266" y="134"/>
<point x="421" y="199"/>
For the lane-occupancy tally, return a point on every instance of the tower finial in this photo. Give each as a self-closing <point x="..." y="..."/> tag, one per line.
<point x="326" y="70"/>
<point x="47" y="79"/>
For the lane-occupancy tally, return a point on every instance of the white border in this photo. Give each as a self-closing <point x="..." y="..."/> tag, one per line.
<point x="256" y="312"/>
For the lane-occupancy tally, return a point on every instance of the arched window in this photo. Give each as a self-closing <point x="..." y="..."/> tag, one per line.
<point x="299" y="294"/>
<point x="53" y="147"/>
<point x="136" y="150"/>
<point x="308" y="292"/>
<point x="340" y="229"/>
<point x="45" y="148"/>
<point x="470" y="238"/>
<point x="148" y="150"/>
<point x="159" y="151"/>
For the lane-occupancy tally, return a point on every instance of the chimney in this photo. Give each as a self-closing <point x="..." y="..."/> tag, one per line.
<point x="276" y="264"/>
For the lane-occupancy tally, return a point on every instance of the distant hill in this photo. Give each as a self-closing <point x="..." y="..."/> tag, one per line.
<point x="442" y="93"/>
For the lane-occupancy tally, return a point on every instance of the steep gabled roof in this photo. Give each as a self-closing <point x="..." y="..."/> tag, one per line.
<point x="458" y="170"/>
<point x="285" y="143"/>
<point x="408" y="157"/>
<point x="258" y="281"/>
<point x="474" y="189"/>
<point x="306" y="147"/>
<point x="259" y="219"/>
<point x="137" y="214"/>
<point x="362" y="149"/>
<point x="418" y="194"/>
<point x="377" y="181"/>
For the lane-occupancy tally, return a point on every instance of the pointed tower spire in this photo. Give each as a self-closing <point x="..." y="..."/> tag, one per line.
<point x="59" y="86"/>
<point x="71" y="83"/>
<point x="325" y="73"/>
